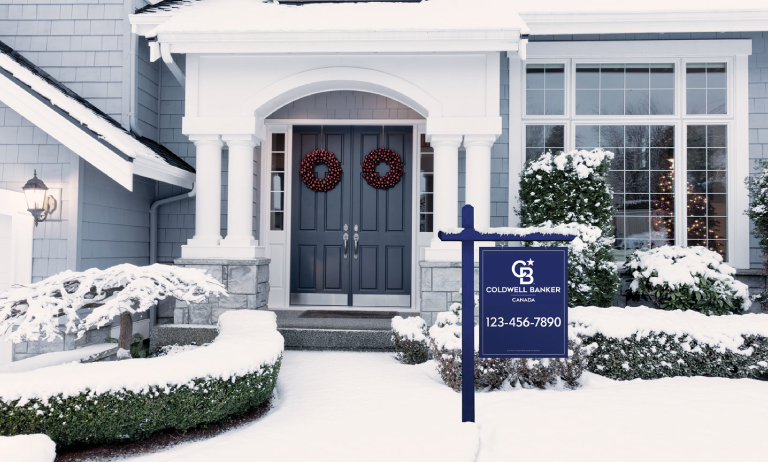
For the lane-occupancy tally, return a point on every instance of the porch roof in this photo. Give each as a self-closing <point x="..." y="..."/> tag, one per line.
<point x="546" y="17"/>
<point x="84" y="128"/>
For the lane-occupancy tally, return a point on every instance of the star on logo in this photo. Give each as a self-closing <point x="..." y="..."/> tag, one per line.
<point x="530" y="262"/>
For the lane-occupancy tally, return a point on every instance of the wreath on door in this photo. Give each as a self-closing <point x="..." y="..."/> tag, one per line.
<point x="307" y="170"/>
<point x="373" y="159"/>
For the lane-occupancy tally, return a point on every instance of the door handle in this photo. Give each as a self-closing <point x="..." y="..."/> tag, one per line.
<point x="346" y="239"/>
<point x="357" y="238"/>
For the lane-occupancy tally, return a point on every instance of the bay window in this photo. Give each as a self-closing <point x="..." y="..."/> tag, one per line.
<point x="669" y="118"/>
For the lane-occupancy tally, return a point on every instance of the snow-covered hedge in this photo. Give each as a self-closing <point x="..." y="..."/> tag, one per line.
<point x="758" y="213"/>
<point x="125" y="400"/>
<point x="641" y="342"/>
<point x="27" y="448"/>
<point x="687" y="278"/>
<point x="572" y="188"/>
<point x="493" y="373"/>
<point x="409" y="336"/>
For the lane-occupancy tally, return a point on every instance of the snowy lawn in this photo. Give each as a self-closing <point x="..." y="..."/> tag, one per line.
<point x="338" y="406"/>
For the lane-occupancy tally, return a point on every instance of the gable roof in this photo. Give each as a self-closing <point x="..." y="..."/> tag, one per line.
<point x="84" y="128"/>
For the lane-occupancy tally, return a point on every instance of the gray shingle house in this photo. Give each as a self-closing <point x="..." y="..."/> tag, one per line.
<point x="122" y="106"/>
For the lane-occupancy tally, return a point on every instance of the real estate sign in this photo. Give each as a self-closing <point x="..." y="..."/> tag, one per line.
<point x="524" y="302"/>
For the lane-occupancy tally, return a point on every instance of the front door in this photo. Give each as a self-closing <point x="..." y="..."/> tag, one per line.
<point x="372" y="266"/>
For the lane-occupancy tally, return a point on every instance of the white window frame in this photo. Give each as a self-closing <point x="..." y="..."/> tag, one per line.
<point x="680" y="53"/>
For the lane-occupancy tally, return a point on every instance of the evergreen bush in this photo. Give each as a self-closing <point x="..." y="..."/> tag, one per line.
<point x="758" y="213"/>
<point x="687" y="278"/>
<point x="409" y="337"/>
<point x="573" y="189"/>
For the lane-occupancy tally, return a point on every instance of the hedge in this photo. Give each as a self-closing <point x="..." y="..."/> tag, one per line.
<point x="98" y="403"/>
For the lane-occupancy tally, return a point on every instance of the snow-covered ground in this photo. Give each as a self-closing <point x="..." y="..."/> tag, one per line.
<point x="337" y="406"/>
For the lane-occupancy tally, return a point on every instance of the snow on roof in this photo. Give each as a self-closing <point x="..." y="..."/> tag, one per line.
<point x="91" y="118"/>
<point x="646" y="6"/>
<point x="264" y="16"/>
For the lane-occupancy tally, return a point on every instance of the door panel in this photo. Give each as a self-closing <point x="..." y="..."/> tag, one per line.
<point x="381" y="273"/>
<point x="319" y="272"/>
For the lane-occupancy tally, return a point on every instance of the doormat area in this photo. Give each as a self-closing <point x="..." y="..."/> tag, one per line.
<point x="348" y="314"/>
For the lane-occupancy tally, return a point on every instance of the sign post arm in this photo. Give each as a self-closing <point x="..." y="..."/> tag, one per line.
<point x="468" y="319"/>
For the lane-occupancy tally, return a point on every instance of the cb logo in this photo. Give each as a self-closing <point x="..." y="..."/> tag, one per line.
<point x="525" y="273"/>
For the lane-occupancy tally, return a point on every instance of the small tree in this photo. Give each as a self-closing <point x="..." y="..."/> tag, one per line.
<point x="93" y="298"/>
<point x="572" y="189"/>
<point x="758" y="213"/>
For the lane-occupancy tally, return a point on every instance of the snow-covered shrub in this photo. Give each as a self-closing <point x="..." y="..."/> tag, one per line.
<point x="101" y="295"/>
<point x="758" y="213"/>
<point x="409" y="336"/>
<point x="573" y="188"/>
<point x="103" y="402"/>
<point x="687" y="278"/>
<point x="492" y="373"/>
<point x="27" y="448"/>
<point x="641" y="342"/>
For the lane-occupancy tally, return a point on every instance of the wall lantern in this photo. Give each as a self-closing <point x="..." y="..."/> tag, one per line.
<point x="39" y="203"/>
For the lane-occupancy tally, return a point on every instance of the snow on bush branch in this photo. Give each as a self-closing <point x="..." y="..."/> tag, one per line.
<point x="36" y="308"/>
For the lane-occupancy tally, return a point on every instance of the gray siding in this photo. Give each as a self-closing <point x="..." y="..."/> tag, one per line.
<point x="345" y="105"/>
<point x="758" y="91"/>
<point x="115" y="221"/>
<point x="148" y="76"/>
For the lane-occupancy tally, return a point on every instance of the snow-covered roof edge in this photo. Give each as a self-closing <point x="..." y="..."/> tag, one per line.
<point x="96" y="137"/>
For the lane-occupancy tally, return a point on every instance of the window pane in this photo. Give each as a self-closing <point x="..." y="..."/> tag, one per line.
<point x="611" y="102"/>
<point x="662" y="76"/>
<point x="278" y="162"/>
<point x="427" y="162"/>
<point x="707" y="187"/>
<point x="706" y="85"/>
<point x="625" y="89"/>
<point x="542" y="138"/>
<point x="426" y="185"/>
<point x="587" y="102"/>
<point x="587" y="76"/>
<point x="612" y="76"/>
<point x="638" y="102"/>
<point x="278" y="142"/>
<point x="642" y="179"/>
<point x="662" y="102"/>
<point x="545" y="89"/>
<point x="276" y="182"/>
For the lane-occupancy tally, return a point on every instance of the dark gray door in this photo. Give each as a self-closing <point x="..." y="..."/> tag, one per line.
<point x="377" y="267"/>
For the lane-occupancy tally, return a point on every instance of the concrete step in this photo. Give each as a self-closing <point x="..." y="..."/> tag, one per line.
<point x="336" y="339"/>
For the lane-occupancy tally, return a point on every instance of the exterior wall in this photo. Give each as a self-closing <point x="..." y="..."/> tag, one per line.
<point x="345" y="105"/>
<point x="115" y="221"/>
<point x="25" y="149"/>
<point x="148" y="75"/>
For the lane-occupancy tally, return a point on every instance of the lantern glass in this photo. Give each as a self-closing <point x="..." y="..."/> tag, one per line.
<point x="34" y="192"/>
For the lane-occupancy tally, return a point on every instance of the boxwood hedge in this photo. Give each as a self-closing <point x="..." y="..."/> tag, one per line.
<point x="90" y="418"/>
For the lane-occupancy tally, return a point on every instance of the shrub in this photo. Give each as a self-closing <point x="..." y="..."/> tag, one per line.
<point x="687" y="278"/>
<point x="409" y="337"/>
<point x="492" y="373"/>
<point x="641" y="342"/>
<point x="573" y="188"/>
<point x="104" y="402"/>
<point x="758" y="213"/>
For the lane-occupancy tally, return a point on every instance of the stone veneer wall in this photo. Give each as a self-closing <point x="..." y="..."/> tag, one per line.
<point x="246" y="281"/>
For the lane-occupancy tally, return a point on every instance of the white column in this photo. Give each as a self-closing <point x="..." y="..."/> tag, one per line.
<point x="478" y="177"/>
<point x="207" y="199"/>
<point x="239" y="243"/>
<point x="446" y="195"/>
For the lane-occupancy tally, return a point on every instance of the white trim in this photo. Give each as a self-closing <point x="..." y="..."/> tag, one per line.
<point x="639" y="49"/>
<point x="656" y="22"/>
<point x="161" y="171"/>
<point x="283" y="123"/>
<point x="309" y="82"/>
<point x="678" y="52"/>
<point x="48" y="120"/>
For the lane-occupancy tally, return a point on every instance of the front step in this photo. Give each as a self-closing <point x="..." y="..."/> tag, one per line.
<point x="336" y="339"/>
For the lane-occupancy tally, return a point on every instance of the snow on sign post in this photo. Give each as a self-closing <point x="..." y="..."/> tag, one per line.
<point x="506" y="339"/>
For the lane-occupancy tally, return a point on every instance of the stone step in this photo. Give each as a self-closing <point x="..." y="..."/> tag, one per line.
<point x="297" y="338"/>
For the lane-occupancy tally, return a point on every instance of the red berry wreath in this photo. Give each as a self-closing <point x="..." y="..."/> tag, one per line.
<point x="395" y="168"/>
<point x="307" y="170"/>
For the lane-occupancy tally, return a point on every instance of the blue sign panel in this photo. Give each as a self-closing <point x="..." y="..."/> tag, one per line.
<point x="524" y="302"/>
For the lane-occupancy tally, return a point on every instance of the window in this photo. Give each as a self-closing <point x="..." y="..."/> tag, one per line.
<point x="426" y="187"/>
<point x="705" y="88"/>
<point x="707" y="158"/>
<point x="625" y="89"/>
<point x="667" y="121"/>
<point x="542" y="138"/>
<point x="277" y="183"/>
<point x="545" y="89"/>
<point x="642" y="177"/>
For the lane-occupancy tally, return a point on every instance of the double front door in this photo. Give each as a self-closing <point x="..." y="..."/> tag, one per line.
<point x="351" y="246"/>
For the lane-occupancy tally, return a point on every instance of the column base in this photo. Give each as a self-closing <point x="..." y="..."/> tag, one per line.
<point x="222" y="252"/>
<point x="231" y="241"/>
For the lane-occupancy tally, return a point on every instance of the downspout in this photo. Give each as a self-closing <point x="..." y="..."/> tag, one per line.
<point x="153" y="220"/>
